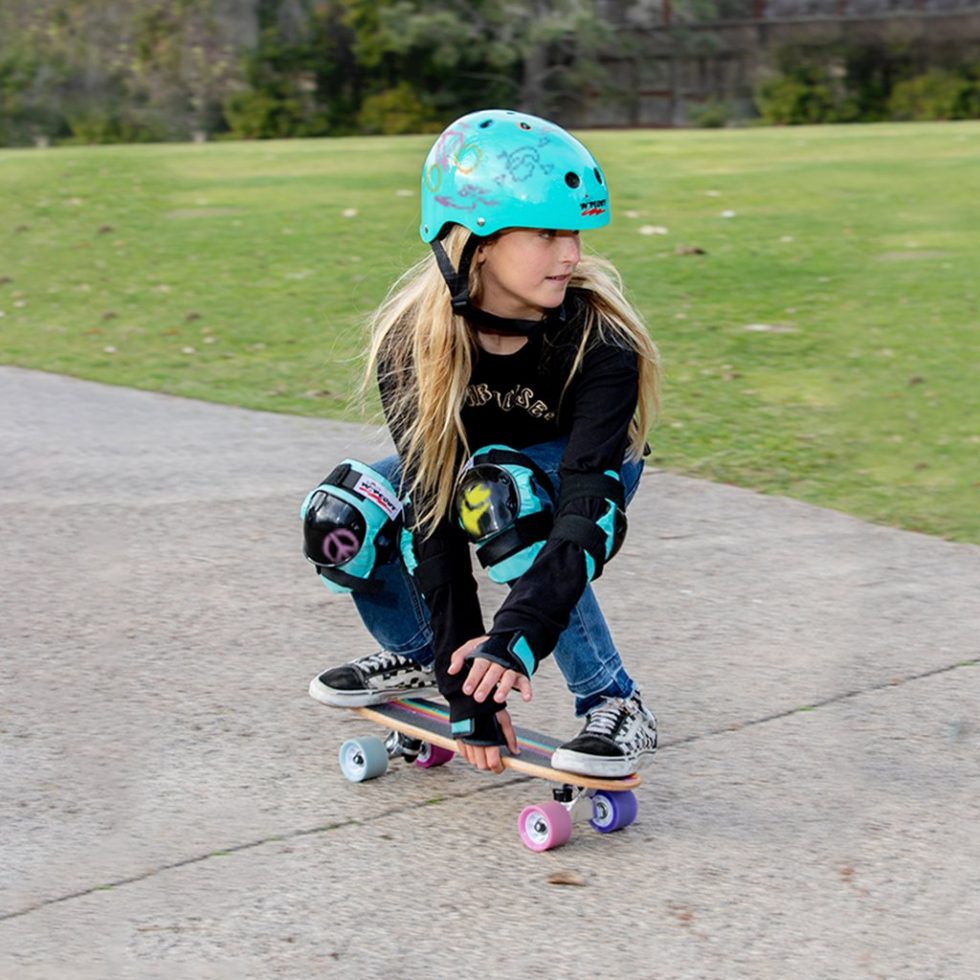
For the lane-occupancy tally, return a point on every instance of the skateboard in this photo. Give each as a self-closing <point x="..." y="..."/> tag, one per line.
<point x="419" y="732"/>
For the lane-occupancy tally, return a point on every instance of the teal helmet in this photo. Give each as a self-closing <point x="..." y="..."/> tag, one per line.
<point x="498" y="168"/>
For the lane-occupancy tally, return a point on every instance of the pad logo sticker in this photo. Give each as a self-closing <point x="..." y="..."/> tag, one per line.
<point x="593" y="207"/>
<point x="475" y="503"/>
<point x="377" y="494"/>
<point x="340" y="545"/>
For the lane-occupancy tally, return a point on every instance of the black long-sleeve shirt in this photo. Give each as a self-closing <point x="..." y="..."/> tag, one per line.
<point x="520" y="400"/>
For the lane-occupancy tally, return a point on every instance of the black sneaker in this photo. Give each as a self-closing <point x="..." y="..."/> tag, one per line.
<point x="619" y="736"/>
<point x="374" y="679"/>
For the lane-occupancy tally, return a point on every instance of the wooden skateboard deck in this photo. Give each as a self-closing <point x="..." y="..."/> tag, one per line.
<point x="429" y="721"/>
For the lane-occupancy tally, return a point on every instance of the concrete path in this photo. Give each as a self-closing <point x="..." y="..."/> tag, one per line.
<point x="171" y="804"/>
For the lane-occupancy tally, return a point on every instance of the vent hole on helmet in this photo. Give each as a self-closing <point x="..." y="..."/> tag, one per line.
<point x="598" y="175"/>
<point x="525" y="125"/>
<point x="573" y="180"/>
<point x="486" y="124"/>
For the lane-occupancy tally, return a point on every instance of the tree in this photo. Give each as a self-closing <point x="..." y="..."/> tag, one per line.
<point x="120" y="70"/>
<point x="537" y="56"/>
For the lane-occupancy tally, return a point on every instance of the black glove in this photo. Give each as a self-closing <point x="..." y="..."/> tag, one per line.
<point x="479" y="729"/>
<point x="470" y="720"/>
<point x="510" y="650"/>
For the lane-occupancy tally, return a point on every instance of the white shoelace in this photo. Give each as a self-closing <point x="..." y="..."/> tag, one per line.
<point x="604" y="719"/>
<point x="382" y="660"/>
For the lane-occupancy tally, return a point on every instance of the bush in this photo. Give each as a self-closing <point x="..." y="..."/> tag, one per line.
<point x="794" y="101"/>
<point x="394" y="111"/>
<point x="90" y="125"/>
<point x="937" y="94"/>
<point x="713" y="114"/>
<point x="257" y="115"/>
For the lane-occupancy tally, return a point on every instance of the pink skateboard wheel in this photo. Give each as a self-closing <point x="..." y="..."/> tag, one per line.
<point x="544" y="826"/>
<point x="431" y="756"/>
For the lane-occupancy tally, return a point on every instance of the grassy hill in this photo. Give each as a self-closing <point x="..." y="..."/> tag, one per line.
<point x="814" y="291"/>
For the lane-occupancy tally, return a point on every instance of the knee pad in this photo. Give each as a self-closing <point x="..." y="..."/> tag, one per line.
<point x="505" y="504"/>
<point x="350" y="524"/>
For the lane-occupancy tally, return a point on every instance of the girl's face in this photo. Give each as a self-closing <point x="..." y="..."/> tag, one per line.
<point x="525" y="271"/>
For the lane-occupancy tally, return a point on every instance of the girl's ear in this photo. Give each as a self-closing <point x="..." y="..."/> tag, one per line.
<point x="481" y="250"/>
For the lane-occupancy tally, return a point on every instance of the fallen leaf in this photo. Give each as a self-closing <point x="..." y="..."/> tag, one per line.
<point x="566" y="878"/>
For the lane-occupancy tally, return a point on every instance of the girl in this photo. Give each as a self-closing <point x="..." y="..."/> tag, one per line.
<point x="518" y="384"/>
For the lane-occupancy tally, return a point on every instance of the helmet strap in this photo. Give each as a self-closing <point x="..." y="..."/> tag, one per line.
<point x="458" y="282"/>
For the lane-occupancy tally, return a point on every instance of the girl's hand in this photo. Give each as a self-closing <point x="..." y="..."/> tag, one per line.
<point x="488" y="756"/>
<point x="485" y="675"/>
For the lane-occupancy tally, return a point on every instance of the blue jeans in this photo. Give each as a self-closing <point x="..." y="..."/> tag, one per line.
<point x="398" y="619"/>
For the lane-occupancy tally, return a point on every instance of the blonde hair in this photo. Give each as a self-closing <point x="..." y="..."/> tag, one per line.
<point x="423" y="354"/>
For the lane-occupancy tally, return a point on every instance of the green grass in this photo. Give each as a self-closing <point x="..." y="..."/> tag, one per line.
<point x="229" y="272"/>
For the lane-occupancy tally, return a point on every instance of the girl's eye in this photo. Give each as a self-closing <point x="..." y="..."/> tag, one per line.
<point x="548" y="233"/>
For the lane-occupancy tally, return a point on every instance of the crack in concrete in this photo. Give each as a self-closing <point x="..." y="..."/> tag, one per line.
<point x="515" y="779"/>
<point x="833" y="699"/>
<point x="247" y="846"/>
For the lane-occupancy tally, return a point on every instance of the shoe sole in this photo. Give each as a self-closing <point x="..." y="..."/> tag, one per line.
<point x="590" y="765"/>
<point x="363" y="699"/>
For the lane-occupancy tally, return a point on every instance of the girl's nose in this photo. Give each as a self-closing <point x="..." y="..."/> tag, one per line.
<point x="572" y="249"/>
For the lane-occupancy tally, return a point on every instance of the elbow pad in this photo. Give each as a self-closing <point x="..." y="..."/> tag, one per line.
<point x="600" y="538"/>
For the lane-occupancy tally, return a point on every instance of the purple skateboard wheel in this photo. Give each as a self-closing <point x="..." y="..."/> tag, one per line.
<point x="613" y="810"/>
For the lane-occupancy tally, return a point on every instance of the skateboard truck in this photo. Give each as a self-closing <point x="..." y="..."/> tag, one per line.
<point x="564" y="793"/>
<point x="570" y="797"/>
<point x="402" y="746"/>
